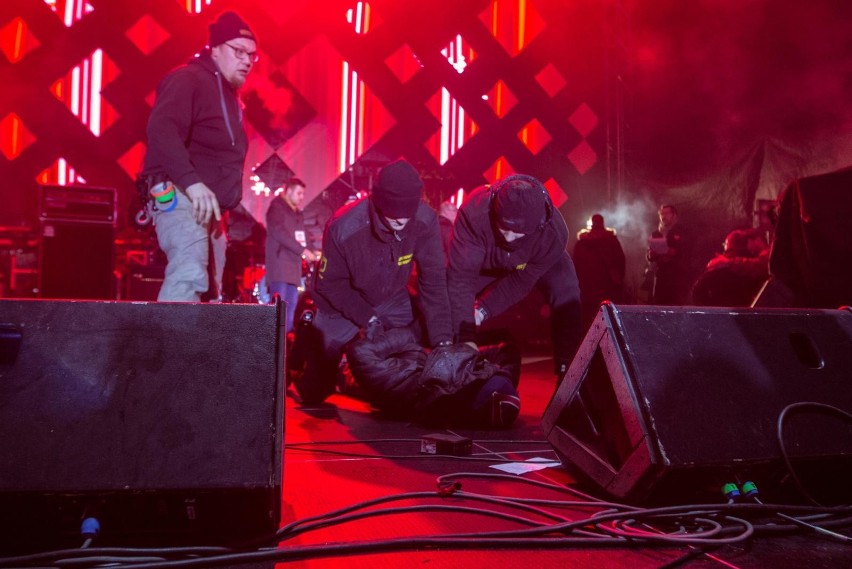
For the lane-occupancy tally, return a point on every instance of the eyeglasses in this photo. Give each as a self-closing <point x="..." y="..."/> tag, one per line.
<point x="243" y="54"/>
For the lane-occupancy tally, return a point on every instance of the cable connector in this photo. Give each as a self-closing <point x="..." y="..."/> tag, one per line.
<point x="750" y="490"/>
<point x="731" y="491"/>
<point x="90" y="527"/>
<point x="89" y="530"/>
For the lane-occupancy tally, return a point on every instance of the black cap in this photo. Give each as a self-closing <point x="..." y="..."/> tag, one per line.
<point x="520" y="204"/>
<point x="398" y="191"/>
<point x="227" y="27"/>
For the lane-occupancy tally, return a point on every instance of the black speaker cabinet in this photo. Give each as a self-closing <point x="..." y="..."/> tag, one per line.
<point x="144" y="281"/>
<point x="664" y="404"/>
<point x="76" y="260"/>
<point x="162" y="420"/>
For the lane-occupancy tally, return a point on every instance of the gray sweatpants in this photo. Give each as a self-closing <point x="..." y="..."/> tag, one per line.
<point x="188" y="247"/>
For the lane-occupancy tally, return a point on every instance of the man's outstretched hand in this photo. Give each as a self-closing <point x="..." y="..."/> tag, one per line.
<point x="204" y="203"/>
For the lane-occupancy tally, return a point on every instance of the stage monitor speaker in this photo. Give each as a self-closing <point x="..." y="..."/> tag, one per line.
<point x="666" y="404"/>
<point x="76" y="260"/>
<point x="164" y="421"/>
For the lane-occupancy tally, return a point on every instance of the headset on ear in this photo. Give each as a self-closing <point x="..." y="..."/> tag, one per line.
<point x="548" y="204"/>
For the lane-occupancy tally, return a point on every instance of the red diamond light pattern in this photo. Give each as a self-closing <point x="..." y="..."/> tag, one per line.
<point x="584" y="119"/>
<point x="459" y="54"/>
<point x="16" y="41"/>
<point x="70" y="11"/>
<point x="90" y="108"/>
<point x="445" y="143"/>
<point x="550" y="80"/>
<point x="499" y="169"/>
<point x="403" y="63"/>
<point x="60" y="172"/>
<point x="131" y="160"/>
<point x="146" y="34"/>
<point x="15" y="136"/>
<point x="500" y="99"/>
<point x="583" y="157"/>
<point x="513" y="25"/>
<point x="557" y="194"/>
<point x="534" y="136"/>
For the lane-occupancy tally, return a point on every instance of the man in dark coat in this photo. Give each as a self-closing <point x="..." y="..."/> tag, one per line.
<point x="369" y="250"/>
<point x="507" y="239"/>
<point x="671" y="262"/>
<point x="287" y="245"/>
<point x="194" y="163"/>
<point x="600" y="264"/>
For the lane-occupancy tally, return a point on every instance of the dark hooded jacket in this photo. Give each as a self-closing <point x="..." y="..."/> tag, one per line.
<point x="477" y="251"/>
<point x="365" y="263"/>
<point x="195" y="131"/>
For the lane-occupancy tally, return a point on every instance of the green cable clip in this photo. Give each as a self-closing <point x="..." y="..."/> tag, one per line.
<point x="731" y="491"/>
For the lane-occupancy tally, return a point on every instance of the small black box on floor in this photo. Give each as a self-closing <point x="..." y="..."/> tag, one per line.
<point x="665" y="404"/>
<point x="440" y="443"/>
<point x="162" y="420"/>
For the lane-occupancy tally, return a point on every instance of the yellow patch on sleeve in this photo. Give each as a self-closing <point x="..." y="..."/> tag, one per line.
<point x="405" y="259"/>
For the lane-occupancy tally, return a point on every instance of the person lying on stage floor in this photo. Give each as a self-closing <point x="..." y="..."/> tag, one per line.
<point x="456" y="385"/>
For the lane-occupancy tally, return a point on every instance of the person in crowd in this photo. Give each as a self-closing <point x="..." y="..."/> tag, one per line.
<point x="508" y="239"/>
<point x="453" y="386"/>
<point x="600" y="263"/>
<point x="735" y="276"/>
<point x="369" y="250"/>
<point x="287" y="246"/>
<point x="669" y="260"/>
<point x="193" y="167"/>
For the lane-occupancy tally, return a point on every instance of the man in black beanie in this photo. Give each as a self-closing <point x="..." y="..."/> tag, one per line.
<point x="369" y="250"/>
<point x="507" y="239"/>
<point x="193" y="168"/>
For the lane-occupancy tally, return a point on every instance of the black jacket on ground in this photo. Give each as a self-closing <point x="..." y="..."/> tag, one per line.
<point x="195" y="131"/>
<point x="399" y="376"/>
<point x="283" y="250"/>
<point x="478" y="250"/>
<point x="365" y="263"/>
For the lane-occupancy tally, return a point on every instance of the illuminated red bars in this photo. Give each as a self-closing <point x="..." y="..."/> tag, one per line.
<point x="195" y="6"/>
<point x="352" y="96"/>
<point x="455" y="127"/>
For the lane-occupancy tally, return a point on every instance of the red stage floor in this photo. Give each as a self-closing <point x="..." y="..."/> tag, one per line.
<point x="340" y="454"/>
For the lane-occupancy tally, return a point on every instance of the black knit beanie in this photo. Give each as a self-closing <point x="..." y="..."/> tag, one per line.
<point x="398" y="191"/>
<point x="520" y="204"/>
<point x="227" y="27"/>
